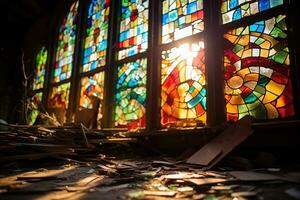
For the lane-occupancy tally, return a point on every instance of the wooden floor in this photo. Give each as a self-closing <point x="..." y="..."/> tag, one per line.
<point x="136" y="177"/>
<point x="76" y="163"/>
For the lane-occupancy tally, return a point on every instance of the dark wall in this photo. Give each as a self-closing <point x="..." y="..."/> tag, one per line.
<point x="23" y="38"/>
<point x="10" y="75"/>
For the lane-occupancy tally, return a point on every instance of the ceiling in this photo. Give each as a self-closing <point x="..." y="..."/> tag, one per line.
<point x="17" y="15"/>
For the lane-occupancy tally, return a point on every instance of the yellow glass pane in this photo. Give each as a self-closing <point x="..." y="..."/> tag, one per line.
<point x="182" y="113"/>
<point x="247" y="53"/>
<point x="183" y="88"/>
<point x="251" y="77"/>
<point x="271" y="111"/>
<point x="191" y="114"/>
<point x="264" y="53"/>
<point x="275" y="88"/>
<point x="202" y="117"/>
<point x="231" y="108"/>
<point x="287" y="60"/>
<point x="243" y="72"/>
<point x="237" y="100"/>
<point x="231" y="38"/>
<point x="244" y="40"/>
<point x="265" y="45"/>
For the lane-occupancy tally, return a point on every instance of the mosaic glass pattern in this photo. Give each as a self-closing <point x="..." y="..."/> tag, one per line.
<point x="35" y="101"/>
<point x="59" y="96"/>
<point x="237" y="9"/>
<point x="257" y="71"/>
<point x="95" y="43"/>
<point x="181" y="18"/>
<point x="40" y="69"/>
<point x="183" y="92"/>
<point x="92" y="88"/>
<point x="130" y="96"/>
<point x="66" y="45"/>
<point x="133" y="38"/>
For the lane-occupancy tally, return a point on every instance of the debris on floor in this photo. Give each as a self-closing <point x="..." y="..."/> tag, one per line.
<point x="69" y="163"/>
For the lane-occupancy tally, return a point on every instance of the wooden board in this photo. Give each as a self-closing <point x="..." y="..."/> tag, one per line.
<point x="221" y="145"/>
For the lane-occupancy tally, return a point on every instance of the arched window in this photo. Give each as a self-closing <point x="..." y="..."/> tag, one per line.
<point x="257" y="65"/>
<point x="130" y="97"/>
<point x="94" y="59"/>
<point x="96" y="34"/>
<point x="181" y="19"/>
<point x="133" y="37"/>
<point x="38" y="84"/>
<point x="40" y="69"/>
<point x="66" y="45"/>
<point x="233" y="10"/>
<point x="183" y="80"/>
<point x="64" y="61"/>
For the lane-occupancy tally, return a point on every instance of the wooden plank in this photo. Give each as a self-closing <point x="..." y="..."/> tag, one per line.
<point x="27" y="156"/>
<point x="254" y="176"/>
<point x="221" y="145"/>
<point x="113" y="140"/>
<point x="159" y="193"/>
<point x="207" y="181"/>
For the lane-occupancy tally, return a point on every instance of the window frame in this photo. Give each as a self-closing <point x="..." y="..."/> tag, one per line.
<point x="212" y="37"/>
<point x="284" y="9"/>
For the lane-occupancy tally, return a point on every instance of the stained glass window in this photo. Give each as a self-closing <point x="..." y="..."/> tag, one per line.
<point x="130" y="96"/>
<point x="92" y="87"/>
<point x="133" y="38"/>
<point x="40" y="69"/>
<point x="236" y="9"/>
<point x="257" y="71"/>
<point x="35" y="101"/>
<point x="59" y="96"/>
<point x="66" y="45"/>
<point x="96" y="35"/>
<point x="181" y="18"/>
<point x="183" y="92"/>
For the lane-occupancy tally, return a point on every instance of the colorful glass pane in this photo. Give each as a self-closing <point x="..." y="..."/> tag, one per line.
<point x="59" y="96"/>
<point x="95" y="43"/>
<point x="257" y="72"/>
<point x="40" y="69"/>
<point x="237" y="9"/>
<point x="183" y="92"/>
<point x="181" y="18"/>
<point x="130" y="96"/>
<point x="91" y="90"/>
<point x="35" y="101"/>
<point x="66" y="45"/>
<point x="133" y="38"/>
